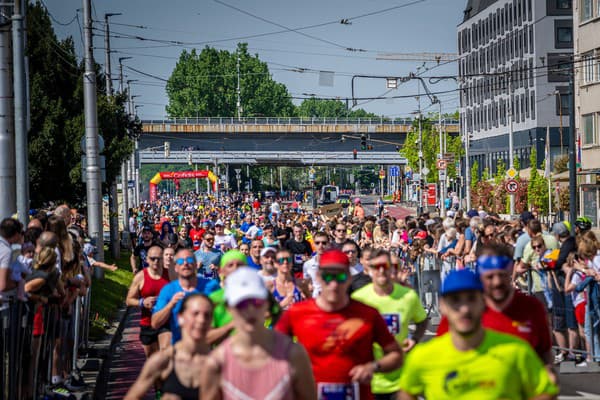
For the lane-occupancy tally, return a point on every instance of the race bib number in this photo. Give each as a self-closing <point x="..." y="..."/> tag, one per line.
<point x="393" y="322"/>
<point x="338" y="391"/>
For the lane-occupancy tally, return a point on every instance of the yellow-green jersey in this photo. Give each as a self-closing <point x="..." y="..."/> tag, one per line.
<point x="398" y="309"/>
<point x="502" y="367"/>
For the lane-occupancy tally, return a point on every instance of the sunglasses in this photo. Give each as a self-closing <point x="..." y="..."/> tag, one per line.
<point x="320" y="242"/>
<point x="537" y="247"/>
<point x="284" y="259"/>
<point x="153" y="258"/>
<point x="189" y="260"/>
<point x="340" y="230"/>
<point x="256" y="303"/>
<point x="382" y="265"/>
<point x="350" y="251"/>
<point x="339" y="277"/>
<point x="209" y="239"/>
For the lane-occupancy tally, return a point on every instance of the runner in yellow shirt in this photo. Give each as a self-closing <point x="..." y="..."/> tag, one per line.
<point x="470" y="362"/>
<point x="399" y="306"/>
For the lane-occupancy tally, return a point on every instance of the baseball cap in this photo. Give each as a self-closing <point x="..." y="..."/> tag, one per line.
<point x="459" y="281"/>
<point x="146" y="228"/>
<point x="219" y="223"/>
<point x="232" y="255"/>
<point x="421" y="235"/>
<point x="334" y="259"/>
<point x="472" y="213"/>
<point x="560" y="229"/>
<point x="526" y="216"/>
<point x="243" y="284"/>
<point x="267" y="250"/>
<point x="356" y="200"/>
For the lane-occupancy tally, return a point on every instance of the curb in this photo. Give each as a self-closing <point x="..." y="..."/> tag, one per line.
<point x="103" y="375"/>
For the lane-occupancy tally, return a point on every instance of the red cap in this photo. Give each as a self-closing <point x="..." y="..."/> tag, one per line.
<point x="334" y="259"/>
<point x="421" y="235"/>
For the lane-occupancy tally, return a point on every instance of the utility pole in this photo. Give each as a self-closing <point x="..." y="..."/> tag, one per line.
<point x="8" y="194"/>
<point x="125" y="164"/>
<point x="113" y="199"/>
<point x="510" y="138"/>
<point x="121" y="59"/>
<point x="466" y="141"/>
<point x="93" y="184"/>
<point x="239" y="101"/>
<point x="572" y="154"/>
<point x="442" y="181"/>
<point x="421" y="177"/>
<point x="20" y="111"/>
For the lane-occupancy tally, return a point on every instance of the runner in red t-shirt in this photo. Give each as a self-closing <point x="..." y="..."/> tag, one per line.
<point x="338" y="334"/>
<point x="196" y="234"/>
<point x="507" y="310"/>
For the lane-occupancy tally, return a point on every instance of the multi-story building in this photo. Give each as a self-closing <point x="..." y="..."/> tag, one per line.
<point x="586" y="37"/>
<point x="511" y="57"/>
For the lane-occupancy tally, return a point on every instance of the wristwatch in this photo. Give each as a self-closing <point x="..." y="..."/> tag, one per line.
<point x="376" y="366"/>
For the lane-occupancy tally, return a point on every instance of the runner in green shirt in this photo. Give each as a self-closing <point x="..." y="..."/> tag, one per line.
<point x="222" y="321"/>
<point x="470" y="362"/>
<point x="399" y="306"/>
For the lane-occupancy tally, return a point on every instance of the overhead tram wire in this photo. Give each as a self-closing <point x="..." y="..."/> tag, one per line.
<point x="253" y="36"/>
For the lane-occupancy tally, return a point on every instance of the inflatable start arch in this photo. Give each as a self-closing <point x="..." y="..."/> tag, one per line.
<point x="176" y="176"/>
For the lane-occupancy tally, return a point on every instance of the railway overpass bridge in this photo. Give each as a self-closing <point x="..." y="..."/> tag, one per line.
<point x="276" y="141"/>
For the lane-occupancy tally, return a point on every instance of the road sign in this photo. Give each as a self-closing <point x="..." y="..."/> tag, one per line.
<point x="441" y="164"/>
<point x="382" y="173"/>
<point x="394" y="171"/>
<point x="511" y="173"/>
<point x="425" y="171"/>
<point x="511" y="186"/>
<point x="442" y="174"/>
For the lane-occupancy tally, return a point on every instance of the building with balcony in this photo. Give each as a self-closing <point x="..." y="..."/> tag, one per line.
<point x="512" y="56"/>
<point x="586" y="40"/>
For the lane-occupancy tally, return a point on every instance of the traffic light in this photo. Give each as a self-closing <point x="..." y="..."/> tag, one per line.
<point x="363" y="142"/>
<point x="354" y="153"/>
<point x="167" y="149"/>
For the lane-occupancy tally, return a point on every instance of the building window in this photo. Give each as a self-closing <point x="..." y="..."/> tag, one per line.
<point x="586" y="9"/>
<point x="588" y="68"/>
<point x="563" y="34"/>
<point x="563" y="4"/>
<point x="587" y="124"/>
<point x="559" y="67"/>
<point x="562" y="100"/>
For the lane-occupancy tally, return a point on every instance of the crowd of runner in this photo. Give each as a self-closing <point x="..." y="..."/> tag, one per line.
<point x="248" y="299"/>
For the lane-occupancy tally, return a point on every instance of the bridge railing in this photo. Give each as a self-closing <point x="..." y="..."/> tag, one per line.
<point x="286" y="121"/>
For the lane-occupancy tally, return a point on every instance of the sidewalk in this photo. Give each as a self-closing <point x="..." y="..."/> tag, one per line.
<point x="127" y="360"/>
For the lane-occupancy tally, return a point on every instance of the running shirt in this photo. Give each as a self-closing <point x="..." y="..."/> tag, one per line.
<point x="279" y="297"/>
<point x="502" y="367"/>
<point x="150" y="288"/>
<point x="141" y="251"/>
<point x="221" y="315"/>
<point x="205" y="286"/>
<point x="398" y="309"/>
<point x="524" y="317"/>
<point x="336" y="341"/>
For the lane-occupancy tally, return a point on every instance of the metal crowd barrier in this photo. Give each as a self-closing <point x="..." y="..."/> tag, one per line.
<point x="26" y="360"/>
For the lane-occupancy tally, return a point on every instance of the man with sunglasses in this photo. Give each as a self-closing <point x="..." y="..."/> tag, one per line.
<point x="399" y="306"/>
<point x="311" y="267"/>
<point x="208" y="257"/>
<point x="470" y="361"/>
<point x="339" y="333"/>
<point x="143" y="292"/>
<point x="171" y="296"/>
<point x="508" y="310"/>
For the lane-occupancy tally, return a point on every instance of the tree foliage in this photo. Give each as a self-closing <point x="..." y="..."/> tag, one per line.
<point x="205" y="85"/>
<point x="537" y="189"/>
<point x="314" y="107"/>
<point x="431" y="148"/>
<point x="57" y="120"/>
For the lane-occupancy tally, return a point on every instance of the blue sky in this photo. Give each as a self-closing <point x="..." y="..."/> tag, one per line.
<point x="423" y="26"/>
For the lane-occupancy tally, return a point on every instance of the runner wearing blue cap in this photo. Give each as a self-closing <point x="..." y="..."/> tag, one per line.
<point x="470" y="361"/>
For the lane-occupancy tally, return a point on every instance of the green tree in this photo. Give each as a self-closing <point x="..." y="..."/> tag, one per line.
<point x="314" y="107"/>
<point x="57" y="120"/>
<point x="500" y="173"/>
<point x="537" y="188"/>
<point x="474" y="175"/>
<point x="205" y="85"/>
